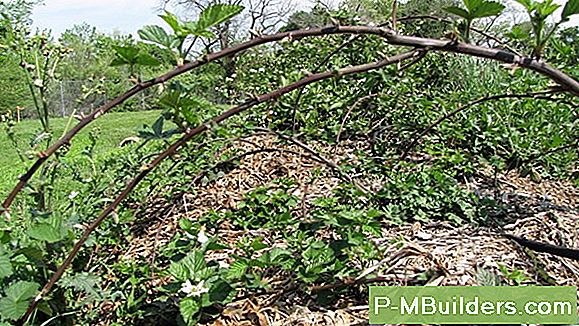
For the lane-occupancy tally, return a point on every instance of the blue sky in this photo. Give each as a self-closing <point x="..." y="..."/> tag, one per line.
<point x="125" y="16"/>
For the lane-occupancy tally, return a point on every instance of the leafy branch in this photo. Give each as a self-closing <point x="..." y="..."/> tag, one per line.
<point x="417" y="136"/>
<point x="538" y="13"/>
<point x="190" y="134"/>
<point x="210" y="17"/>
<point x="475" y="9"/>
<point x="567" y="82"/>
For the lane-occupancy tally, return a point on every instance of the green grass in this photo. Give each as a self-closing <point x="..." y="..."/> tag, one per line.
<point x="114" y="127"/>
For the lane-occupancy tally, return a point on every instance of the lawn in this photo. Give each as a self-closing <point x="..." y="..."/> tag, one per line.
<point x="114" y="127"/>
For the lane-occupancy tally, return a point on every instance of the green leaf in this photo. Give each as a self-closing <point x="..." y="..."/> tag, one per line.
<point x="487" y="9"/>
<point x="571" y="8"/>
<point x="237" y="269"/>
<point x="221" y="292"/>
<point x="5" y="266"/>
<point x="12" y="310"/>
<point x="83" y="282"/>
<point x="45" y="232"/>
<point x="193" y="28"/>
<point x="172" y="20"/>
<point x="258" y="244"/>
<point x="190" y="267"/>
<point x="144" y="59"/>
<point x="457" y="11"/>
<point x="158" y="126"/>
<point x="189" y="307"/>
<point x="520" y="31"/>
<point x="17" y="298"/>
<point x="528" y="4"/>
<point x="156" y="34"/>
<point x="216" y="14"/>
<point x="127" y="53"/>
<point x="545" y="9"/>
<point x="119" y="62"/>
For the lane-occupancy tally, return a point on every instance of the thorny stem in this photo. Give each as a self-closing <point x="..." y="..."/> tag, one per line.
<point x="190" y="134"/>
<point x="567" y="82"/>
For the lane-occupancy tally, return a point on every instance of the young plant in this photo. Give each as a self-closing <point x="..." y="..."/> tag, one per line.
<point x="132" y="57"/>
<point x="538" y="13"/>
<point x="210" y="17"/>
<point x="475" y="9"/>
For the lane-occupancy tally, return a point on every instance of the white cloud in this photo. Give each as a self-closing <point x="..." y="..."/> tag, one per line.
<point x="125" y="16"/>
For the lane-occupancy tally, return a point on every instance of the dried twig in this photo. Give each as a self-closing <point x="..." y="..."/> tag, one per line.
<point x="320" y="158"/>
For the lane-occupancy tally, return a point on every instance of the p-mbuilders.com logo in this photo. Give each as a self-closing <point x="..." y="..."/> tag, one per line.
<point x="473" y="305"/>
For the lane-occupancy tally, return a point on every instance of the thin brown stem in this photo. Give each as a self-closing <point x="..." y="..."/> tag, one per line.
<point x="352" y="107"/>
<point x="474" y="29"/>
<point x="567" y="82"/>
<point x="190" y="134"/>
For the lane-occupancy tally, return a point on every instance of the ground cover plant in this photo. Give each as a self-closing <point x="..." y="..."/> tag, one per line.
<point x="307" y="162"/>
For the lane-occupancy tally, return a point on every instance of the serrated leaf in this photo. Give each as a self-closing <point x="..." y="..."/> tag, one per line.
<point x="17" y="298"/>
<point x="191" y="267"/>
<point x="215" y="15"/>
<point x="12" y="310"/>
<point x="83" y="282"/>
<point x="5" y="266"/>
<point x="128" y="53"/>
<point x="118" y="62"/>
<point x="156" y="34"/>
<point x="193" y="28"/>
<point x="520" y="31"/>
<point x="158" y="126"/>
<point x="172" y="20"/>
<point x="528" y="4"/>
<point x="45" y="232"/>
<point x="258" y="244"/>
<point x="487" y="9"/>
<point x="144" y="59"/>
<point x="221" y="292"/>
<point x="545" y="9"/>
<point x="571" y="8"/>
<point x="457" y="11"/>
<point x="189" y="307"/>
<point x="237" y="269"/>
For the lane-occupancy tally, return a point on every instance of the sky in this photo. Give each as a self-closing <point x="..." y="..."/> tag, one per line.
<point x="125" y="16"/>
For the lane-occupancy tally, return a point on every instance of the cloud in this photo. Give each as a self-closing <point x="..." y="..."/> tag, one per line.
<point x="125" y="16"/>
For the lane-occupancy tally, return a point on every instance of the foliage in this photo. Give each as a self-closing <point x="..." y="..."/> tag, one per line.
<point x="429" y="194"/>
<point x="538" y="13"/>
<point x="133" y="57"/>
<point x="475" y="9"/>
<point x="210" y="17"/>
<point x="322" y="242"/>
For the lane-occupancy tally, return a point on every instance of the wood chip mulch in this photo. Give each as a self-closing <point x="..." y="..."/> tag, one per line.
<point x="435" y="254"/>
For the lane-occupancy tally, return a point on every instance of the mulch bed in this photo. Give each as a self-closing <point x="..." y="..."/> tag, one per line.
<point x="436" y="253"/>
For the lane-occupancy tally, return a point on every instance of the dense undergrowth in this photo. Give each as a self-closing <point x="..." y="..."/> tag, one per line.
<point x="422" y="176"/>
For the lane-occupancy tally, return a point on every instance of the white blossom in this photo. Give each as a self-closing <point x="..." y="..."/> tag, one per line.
<point x="194" y="290"/>
<point x="202" y="237"/>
